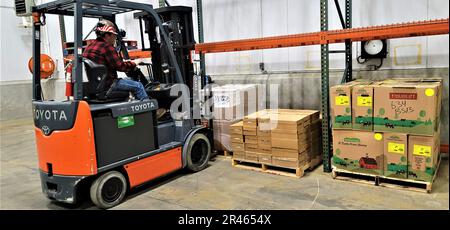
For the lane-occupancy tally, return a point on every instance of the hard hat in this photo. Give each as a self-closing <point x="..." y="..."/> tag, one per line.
<point x="106" y="27"/>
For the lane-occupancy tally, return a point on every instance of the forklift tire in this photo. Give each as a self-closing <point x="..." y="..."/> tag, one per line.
<point x="198" y="152"/>
<point x="108" y="190"/>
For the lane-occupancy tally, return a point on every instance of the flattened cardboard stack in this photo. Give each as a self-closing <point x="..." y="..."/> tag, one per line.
<point x="283" y="138"/>
<point x="396" y="127"/>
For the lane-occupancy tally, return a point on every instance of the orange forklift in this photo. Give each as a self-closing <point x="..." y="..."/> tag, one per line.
<point x="106" y="144"/>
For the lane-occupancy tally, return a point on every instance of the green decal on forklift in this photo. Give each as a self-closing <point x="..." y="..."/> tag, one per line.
<point x="125" y="121"/>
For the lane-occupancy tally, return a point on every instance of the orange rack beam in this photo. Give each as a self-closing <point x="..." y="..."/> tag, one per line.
<point x="135" y="54"/>
<point x="401" y="30"/>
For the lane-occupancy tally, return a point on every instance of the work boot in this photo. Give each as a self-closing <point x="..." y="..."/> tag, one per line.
<point x="160" y="113"/>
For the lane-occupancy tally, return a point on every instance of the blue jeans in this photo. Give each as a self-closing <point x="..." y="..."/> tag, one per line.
<point x="135" y="87"/>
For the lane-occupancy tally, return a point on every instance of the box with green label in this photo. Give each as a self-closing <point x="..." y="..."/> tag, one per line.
<point x="396" y="155"/>
<point x="341" y="105"/>
<point x="362" y="106"/>
<point x="358" y="151"/>
<point x="423" y="155"/>
<point x="407" y="107"/>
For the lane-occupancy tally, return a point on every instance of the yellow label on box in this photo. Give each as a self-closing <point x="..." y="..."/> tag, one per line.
<point x="364" y="101"/>
<point x="342" y="100"/>
<point x="429" y="92"/>
<point x="378" y="136"/>
<point x="396" y="148"/>
<point x="422" y="150"/>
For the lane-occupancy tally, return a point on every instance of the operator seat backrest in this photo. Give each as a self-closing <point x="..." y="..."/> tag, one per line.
<point x="96" y="74"/>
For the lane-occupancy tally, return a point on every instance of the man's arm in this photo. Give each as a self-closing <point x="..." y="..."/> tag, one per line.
<point x="113" y="58"/>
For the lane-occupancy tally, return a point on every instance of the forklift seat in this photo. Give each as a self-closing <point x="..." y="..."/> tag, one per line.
<point x="96" y="90"/>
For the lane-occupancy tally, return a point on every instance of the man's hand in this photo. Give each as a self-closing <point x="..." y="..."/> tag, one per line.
<point x="130" y="65"/>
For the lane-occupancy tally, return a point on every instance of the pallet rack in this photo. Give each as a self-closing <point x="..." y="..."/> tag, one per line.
<point x="323" y="38"/>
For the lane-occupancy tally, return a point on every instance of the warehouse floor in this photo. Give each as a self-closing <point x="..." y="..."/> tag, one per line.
<point x="220" y="186"/>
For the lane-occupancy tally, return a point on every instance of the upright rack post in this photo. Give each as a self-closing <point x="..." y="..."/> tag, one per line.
<point x="201" y="40"/>
<point x="324" y="56"/>
<point x="78" y="50"/>
<point x="348" y="43"/>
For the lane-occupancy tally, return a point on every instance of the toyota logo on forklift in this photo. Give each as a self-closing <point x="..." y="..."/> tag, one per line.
<point x="55" y="115"/>
<point x="45" y="130"/>
<point x="103" y="143"/>
<point x="137" y="108"/>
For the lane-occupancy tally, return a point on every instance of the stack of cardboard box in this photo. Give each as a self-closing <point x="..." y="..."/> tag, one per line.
<point x="284" y="138"/>
<point x="237" y="139"/>
<point x="264" y="138"/>
<point x="395" y="127"/>
<point x="250" y="137"/>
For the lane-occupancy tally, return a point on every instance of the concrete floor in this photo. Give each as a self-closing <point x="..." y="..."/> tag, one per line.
<point x="220" y="186"/>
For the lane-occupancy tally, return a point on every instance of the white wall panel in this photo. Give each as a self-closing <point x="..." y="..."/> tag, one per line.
<point x="220" y="23"/>
<point x="274" y="23"/>
<point x="248" y="15"/>
<point x="299" y="20"/>
<point x="239" y="19"/>
<point x="16" y="45"/>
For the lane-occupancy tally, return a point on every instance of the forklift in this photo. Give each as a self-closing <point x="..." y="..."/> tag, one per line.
<point x="105" y="145"/>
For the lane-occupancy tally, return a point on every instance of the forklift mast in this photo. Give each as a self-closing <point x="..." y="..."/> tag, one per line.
<point x="177" y="24"/>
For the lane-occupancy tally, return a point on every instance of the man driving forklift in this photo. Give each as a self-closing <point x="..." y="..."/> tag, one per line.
<point x="102" y="51"/>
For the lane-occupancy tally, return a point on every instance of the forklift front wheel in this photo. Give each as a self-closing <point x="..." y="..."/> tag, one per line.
<point x="198" y="152"/>
<point x="108" y="190"/>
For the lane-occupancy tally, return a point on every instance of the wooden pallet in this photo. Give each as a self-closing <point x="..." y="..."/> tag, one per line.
<point x="383" y="181"/>
<point x="268" y="168"/>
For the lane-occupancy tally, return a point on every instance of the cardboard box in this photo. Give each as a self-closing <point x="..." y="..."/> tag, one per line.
<point x="234" y="101"/>
<point x="284" y="153"/>
<point x="316" y="149"/>
<point x="341" y="105"/>
<point x="251" y="156"/>
<point x="250" y="133"/>
<point x="264" y="143"/>
<point x="423" y="154"/>
<point x="358" y="151"/>
<point x="251" y="139"/>
<point x="294" y="142"/>
<point x="237" y="138"/>
<point x="238" y="155"/>
<point x="263" y="133"/>
<point x="251" y="148"/>
<point x="293" y="163"/>
<point x="396" y="155"/>
<point x="267" y="159"/>
<point x="264" y="151"/>
<point x="264" y="121"/>
<point x="362" y="107"/>
<point x="291" y="131"/>
<point x="407" y="107"/>
<point x="237" y="147"/>
<point x="237" y="128"/>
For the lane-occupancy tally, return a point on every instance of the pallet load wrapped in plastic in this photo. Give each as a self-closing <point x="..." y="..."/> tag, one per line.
<point x="231" y="103"/>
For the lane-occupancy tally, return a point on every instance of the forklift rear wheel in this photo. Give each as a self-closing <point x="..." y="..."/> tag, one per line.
<point x="108" y="190"/>
<point x="198" y="152"/>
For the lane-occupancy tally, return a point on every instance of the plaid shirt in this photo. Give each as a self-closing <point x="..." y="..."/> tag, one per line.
<point x="103" y="53"/>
